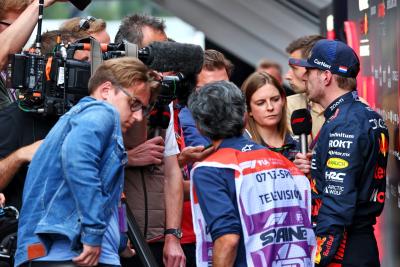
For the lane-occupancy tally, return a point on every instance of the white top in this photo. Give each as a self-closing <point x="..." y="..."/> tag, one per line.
<point x="171" y="146"/>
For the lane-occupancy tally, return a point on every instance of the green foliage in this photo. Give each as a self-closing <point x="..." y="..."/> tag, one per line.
<point x="58" y="11"/>
<point x="105" y="9"/>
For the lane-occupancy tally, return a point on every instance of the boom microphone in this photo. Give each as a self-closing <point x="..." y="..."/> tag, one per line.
<point x="301" y="123"/>
<point x="161" y="56"/>
<point x="173" y="56"/>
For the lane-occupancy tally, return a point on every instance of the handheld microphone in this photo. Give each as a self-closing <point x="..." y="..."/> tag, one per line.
<point x="301" y="123"/>
<point x="159" y="118"/>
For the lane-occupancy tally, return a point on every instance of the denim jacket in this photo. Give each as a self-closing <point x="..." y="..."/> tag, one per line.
<point x="74" y="181"/>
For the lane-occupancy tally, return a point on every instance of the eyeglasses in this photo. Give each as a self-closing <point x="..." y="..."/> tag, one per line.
<point x="135" y="104"/>
<point x="5" y="23"/>
<point x="84" y="24"/>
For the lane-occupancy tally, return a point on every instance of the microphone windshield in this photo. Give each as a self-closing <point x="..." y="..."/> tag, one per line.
<point x="173" y="56"/>
<point x="301" y="122"/>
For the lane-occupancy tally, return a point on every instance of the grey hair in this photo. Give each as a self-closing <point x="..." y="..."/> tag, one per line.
<point x="131" y="28"/>
<point x="218" y="109"/>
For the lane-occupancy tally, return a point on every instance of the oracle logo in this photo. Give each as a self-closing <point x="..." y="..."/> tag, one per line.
<point x="337" y="163"/>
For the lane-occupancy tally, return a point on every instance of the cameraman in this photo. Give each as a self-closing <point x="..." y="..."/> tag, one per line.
<point x="70" y="210"/>
<point x="21" y="133"/>
<point x="17" y="20"/>
<point x="93" y="26"/>
<point x="20" y="136"/>
<point x="153" y="180"/>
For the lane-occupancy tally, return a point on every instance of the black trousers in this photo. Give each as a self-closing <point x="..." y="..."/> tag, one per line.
<point x="157" y="251"/>
<point x="361" y="250"/>
<point x="190" y="253"/>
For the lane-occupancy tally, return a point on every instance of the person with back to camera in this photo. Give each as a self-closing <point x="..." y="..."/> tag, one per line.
<point x="245" y="197"/>
<point x="215" y="68"/>
<point x="266" y="108"/>
<point x="348" y="165"/>
<point x="69" y="215"/>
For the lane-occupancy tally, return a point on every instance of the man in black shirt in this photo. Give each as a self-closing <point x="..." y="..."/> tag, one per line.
<point x="20" y="133"/>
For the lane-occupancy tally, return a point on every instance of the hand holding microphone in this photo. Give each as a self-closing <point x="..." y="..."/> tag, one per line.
<point x="301" y="123"/>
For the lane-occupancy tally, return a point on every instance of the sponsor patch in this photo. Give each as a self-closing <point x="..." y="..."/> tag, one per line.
<point x="377" y="123"/>
<point x="335" y="143"/>
<point x="322" y="63"/>
<point x="341" y="135"/>
<point x="334" y="176"/>
<point x="247" y="148"/>
<point x="337" y="163"/>
<point x="337" y="103"/>
<point x="298" y="120"/>
<point x="313" y="164"/>
<point x="338" y="153"/>
<point x="379" y="173"/>
<point x="281" y="235"/>
<point x="336" y="190"/>
<point x="377" y="196"/>
<point x="334" y="116"/>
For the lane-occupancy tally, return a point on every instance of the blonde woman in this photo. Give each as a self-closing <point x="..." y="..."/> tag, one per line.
<point x="266" y="108"/>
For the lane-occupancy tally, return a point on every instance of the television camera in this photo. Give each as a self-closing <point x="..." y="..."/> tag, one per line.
<point x="52" y="84"/>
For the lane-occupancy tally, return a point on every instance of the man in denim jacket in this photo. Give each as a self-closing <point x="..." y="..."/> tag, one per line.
<point x="69" y="214"/>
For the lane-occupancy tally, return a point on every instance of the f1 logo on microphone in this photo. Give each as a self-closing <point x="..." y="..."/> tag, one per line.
<point x="298" y="120"/>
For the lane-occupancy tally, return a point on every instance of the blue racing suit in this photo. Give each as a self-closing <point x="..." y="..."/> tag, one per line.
<point x="348" y="178"/>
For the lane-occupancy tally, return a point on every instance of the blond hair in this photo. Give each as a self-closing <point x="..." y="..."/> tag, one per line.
<point x="13" y="5"/>
<point x="73" y="25"/>
<point x="124" y="71"/>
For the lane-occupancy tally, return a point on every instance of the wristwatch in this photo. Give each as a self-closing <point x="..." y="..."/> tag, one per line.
<point x="174" y="231"/>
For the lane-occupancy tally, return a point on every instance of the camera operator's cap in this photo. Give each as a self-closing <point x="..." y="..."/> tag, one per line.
<point x="335" y="56"/>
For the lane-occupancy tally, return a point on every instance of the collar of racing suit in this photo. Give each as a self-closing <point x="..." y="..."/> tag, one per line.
<point x="331" y="110"/>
